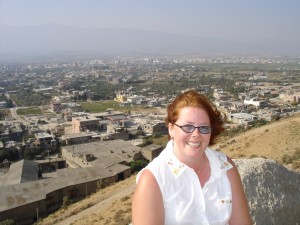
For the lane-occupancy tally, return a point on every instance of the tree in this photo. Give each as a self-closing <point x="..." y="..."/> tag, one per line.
<point x="10" y="103"/>
<point x="137" y="165"/>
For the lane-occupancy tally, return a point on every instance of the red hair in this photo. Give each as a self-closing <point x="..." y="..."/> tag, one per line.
<point x="192" y="98"/>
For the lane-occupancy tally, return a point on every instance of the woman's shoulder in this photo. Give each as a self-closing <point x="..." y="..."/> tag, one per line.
<point x="221" y="157"/>
<point x="155" y="166"/>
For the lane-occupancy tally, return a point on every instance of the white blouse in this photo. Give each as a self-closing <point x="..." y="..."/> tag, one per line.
<point x="185" y="201"/>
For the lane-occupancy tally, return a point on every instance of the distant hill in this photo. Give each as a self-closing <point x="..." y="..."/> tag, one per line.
<point x="56" y="42"/>
<point x="271" y="141"/>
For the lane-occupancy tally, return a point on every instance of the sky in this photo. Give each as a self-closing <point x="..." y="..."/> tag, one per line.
<point x="276" y="20"/>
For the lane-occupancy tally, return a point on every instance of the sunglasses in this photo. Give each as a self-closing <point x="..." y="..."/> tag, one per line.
<point x="190" y="128"/>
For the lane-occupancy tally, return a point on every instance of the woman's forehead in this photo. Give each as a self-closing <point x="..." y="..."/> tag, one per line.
<point x="192" y="113"/>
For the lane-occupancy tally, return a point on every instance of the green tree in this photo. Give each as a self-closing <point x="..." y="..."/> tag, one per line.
<point x="137" y="165"/>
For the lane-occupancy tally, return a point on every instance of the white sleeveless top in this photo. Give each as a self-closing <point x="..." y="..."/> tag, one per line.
<point x="185" y="201"/>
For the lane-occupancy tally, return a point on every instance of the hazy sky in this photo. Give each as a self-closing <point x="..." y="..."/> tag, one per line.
<point x="231" y="19"/>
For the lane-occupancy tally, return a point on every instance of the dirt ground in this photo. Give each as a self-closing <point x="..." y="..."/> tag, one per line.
<point x="112" y="205"/>
<point x="109" y="206"/>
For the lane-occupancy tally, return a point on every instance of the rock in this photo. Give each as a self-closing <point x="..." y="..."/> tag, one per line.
<point x="273" y="191"/>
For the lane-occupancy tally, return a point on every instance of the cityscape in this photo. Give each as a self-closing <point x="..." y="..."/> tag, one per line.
<point x="85" y="85"/>
<point x="94" y="120"/>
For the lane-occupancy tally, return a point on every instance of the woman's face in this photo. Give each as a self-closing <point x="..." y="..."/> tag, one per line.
<point x="190" y="146"/>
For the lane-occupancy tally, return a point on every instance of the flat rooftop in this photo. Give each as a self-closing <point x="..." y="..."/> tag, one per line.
<point x="106" y="153"/>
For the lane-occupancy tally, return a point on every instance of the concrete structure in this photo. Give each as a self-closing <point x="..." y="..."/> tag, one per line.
<point x="80" y="138"/>
<point x="255" y="102"/>
<point x="108" y="113"/>
<point x="135" y="99"/>
<point x="155" y="126"/>
<point x="241" y="118"/>
<point x="44" y="140"/>
<point x="23" y="202"/>
<point x="20" y="172"/>
<point x="51" y="164"/>
<point x="121" y="97"/>
<point x="151" y="151"/>
<point x="102" y="163"/>
<point x="105" y="154"/>
<point x="116" y="132"/>
<point x="290" y="97"/>
<point x="86" y="123"/>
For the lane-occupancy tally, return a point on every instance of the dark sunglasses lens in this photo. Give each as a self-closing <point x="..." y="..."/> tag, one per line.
<point x="188" y="128"/>
<point x="204" y="130"/>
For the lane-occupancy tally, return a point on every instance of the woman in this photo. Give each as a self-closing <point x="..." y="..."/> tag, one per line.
<point x="189" y="183"/>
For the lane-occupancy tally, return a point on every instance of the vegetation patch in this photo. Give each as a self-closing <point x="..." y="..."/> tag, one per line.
<point x="29" y="111"/>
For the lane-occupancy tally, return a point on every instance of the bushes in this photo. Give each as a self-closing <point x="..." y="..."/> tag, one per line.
<point x="292" y="159"/>
<point x="137" y="165"/>
<point x="147" y="141"/>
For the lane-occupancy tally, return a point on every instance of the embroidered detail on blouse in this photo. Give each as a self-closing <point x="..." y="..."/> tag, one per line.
<point x="175" y="167"/>
<point x="226" y="201"/>
<point x="225" y="165"/>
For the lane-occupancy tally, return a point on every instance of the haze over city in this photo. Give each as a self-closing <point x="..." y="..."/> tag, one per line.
<point x="39" y="28"/>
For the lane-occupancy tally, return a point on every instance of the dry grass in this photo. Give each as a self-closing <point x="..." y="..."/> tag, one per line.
<point x="270" y="141"/>
<point x="111" y="205"/>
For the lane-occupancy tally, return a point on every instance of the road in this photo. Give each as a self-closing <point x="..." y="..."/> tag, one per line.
<point x="13" y="112"/>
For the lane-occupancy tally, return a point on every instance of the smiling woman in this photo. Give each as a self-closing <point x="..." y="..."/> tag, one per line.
<point x="190" y="183"/>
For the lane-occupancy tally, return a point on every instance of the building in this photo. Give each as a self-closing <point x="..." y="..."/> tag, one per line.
<point x="86" y="123"/>
<point x="120" y="97"/>
<point x="56" y="105"/>
<point x="44" y="140"/>
<point x="23" y="202"/>
<point x="95" y="165"/>
<point x="80" y="138"/>
<point x="155" y="126"/>
<point x="105" y="154"/>
<point x="21" y="172"/>
<point x="151" y="151"/>
<point x="242" y="118"/>
<point x="290" y="97"/>
<point x="255" y="102"/>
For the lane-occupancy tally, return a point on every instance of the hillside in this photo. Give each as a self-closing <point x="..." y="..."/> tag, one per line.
<point x="270" y="141"/>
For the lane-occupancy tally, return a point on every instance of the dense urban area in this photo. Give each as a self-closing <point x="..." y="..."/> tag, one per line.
<point x="70" y="128"/>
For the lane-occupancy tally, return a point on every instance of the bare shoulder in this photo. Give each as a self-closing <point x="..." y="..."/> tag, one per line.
<point x="147" y="185"/>
<point x="147" y="203"/>
<point x="146" y="177"/>
<point x="234" y="171"/>
<point x="234" y="177"/>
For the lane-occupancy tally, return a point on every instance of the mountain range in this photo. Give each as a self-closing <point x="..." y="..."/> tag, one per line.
<point x="57" y="40"/>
